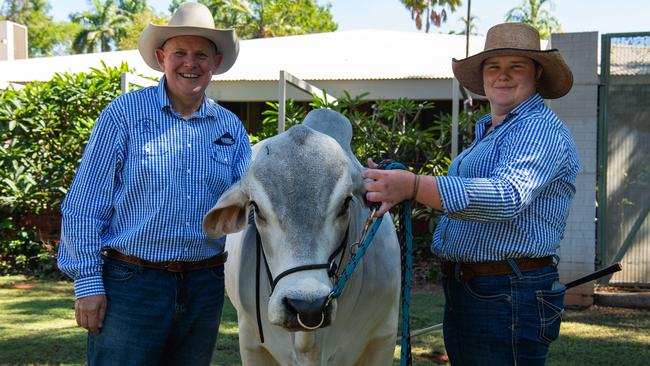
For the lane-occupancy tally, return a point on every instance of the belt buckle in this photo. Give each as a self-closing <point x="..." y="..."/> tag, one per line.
<point x="174" y="267"/>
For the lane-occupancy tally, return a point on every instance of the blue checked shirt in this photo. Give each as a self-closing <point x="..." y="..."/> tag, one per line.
<point x="508" y="194"/>
<point x="145" y="181"/>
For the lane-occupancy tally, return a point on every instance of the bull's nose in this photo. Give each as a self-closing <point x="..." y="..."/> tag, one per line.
<point x="310" y="313"/>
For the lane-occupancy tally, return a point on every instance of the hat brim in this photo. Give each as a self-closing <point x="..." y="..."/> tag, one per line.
<point x="154" y="36"/>
<point x="555" y="82"/>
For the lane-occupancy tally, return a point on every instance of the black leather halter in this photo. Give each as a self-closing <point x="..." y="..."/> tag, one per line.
<point x="331" y="266"/>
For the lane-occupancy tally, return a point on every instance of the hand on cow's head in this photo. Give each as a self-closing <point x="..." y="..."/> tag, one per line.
<point x="230" y="214"/>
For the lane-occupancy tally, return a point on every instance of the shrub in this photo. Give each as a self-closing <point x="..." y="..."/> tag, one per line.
<point x="44" y="128"/>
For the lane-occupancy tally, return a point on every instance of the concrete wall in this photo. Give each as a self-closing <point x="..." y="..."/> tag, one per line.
<point x="579" y="111"/>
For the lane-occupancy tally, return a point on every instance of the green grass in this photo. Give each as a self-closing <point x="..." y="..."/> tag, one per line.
<point x="37" y="327"/>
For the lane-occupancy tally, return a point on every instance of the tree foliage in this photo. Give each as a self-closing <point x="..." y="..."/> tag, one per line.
<point x="471" y="24"/>
<point x="269" y="18"/>
<point x="532" y="12"/>
<point x="138" y="20"/>
<point x="430" y="12"/>
<point x="101" y="27"/>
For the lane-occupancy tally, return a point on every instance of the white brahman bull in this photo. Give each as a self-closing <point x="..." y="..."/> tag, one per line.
<point x="305" y="186"/>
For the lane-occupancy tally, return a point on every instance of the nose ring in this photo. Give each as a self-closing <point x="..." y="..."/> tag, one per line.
<point x="322" y="319"/>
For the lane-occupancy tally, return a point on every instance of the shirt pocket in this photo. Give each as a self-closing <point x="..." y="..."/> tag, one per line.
<point x="218" y="172"/>
<point x="221" y="155"/>
<point x="151" y="162"/>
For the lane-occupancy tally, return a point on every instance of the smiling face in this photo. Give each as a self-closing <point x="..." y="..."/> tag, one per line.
<point x="189" y="63"/>
<point x="508" y="81"/>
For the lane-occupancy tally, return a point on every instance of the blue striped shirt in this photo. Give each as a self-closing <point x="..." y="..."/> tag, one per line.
<point x="146" y="178"/>
<point x="508" y="194"/>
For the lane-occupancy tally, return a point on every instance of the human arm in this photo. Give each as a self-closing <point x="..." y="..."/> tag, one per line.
<point x="499" y="179"/>
<point x="88" y="206"/>
<point x="243" y="156"/>
<point x="391" y="187"/>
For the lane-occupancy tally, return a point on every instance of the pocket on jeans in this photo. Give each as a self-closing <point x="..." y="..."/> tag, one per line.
<point x="119" y="271"/>
<point x="550" y="304"/>
<point x="484" y="291"/>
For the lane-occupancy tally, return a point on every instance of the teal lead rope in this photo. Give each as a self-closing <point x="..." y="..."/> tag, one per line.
<point x="406" y="248"/>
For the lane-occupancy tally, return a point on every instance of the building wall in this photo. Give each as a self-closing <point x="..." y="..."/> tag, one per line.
<point x="579" y="111"/>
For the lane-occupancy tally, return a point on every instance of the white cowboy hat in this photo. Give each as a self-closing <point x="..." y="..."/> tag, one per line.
<point x="516" y="39"/>
<point x="190" y="19"/>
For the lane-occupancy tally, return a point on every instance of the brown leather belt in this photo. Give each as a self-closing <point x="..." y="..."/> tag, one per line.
<point x="467" y="271"/>
<point x="171" y="266"/>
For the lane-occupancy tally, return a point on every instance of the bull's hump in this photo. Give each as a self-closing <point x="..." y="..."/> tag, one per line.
<point x="299" y="134"/>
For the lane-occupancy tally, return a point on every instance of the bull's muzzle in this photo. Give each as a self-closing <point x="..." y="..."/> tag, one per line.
<point x="310" y="314"/>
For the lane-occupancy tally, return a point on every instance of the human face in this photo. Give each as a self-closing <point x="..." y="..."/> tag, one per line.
<point x="188" y="63"/>
<point x="508" y="81"/>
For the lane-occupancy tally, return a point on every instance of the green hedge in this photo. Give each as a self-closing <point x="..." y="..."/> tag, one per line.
<point x="44" y="128"/>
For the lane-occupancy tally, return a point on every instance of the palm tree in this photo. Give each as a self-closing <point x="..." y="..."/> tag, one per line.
<point x="473" y="27"/>
<point x="100" y="28"/>
<point x="432" y="16"/>
<point x="531" y="12"/>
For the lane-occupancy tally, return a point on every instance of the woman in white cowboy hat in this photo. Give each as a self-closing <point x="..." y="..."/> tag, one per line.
<point x="505" y="202"/>
<point x="148" y="282"/>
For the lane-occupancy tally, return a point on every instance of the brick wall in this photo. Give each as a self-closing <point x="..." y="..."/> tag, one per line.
<point x="579" y="111"/>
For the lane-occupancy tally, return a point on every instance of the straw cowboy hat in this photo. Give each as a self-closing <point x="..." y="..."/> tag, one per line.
<point x="516" y="39"/>
<point x="190" y="19"/>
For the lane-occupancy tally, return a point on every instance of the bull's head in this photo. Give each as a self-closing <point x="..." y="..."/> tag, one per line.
<point x="300" y="185"/>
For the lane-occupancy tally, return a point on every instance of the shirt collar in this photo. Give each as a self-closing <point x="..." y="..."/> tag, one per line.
<point x="207" y="109"/>
<point x="524" y="107"/>
<point x="527" y="105"/>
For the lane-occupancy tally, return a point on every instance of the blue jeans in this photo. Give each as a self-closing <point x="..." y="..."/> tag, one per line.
<point x="502" y="320"/>
<point x="156" y="317"/>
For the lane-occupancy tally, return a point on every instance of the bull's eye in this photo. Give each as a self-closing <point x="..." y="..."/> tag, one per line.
<point x="256" y="208"/>
<point x="345" y="207"/>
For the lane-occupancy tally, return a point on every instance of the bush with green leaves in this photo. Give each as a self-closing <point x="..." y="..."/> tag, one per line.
<point x="44" y="128"/>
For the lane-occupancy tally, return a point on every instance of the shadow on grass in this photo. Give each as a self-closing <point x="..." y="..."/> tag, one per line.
<point x="66" y="345"/>
<point x="36" y="307"/>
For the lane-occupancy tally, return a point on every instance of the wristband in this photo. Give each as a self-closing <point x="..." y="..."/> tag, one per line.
<point x="416" y="187"/>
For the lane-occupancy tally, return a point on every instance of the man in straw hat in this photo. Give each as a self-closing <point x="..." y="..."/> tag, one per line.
<point x="505" y="202"/>
<point x="149" y="283"/>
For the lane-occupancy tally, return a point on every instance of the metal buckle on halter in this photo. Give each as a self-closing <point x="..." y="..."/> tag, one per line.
<point x="364" y="233"/>
<point x="331" y="272"/>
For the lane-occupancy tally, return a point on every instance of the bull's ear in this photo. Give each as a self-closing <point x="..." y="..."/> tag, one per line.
<point x="229" y="215"/>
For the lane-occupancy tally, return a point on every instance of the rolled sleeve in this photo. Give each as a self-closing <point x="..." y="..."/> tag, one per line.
<point x="453" y="194"/>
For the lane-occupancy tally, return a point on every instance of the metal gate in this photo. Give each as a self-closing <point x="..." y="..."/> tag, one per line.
<point x="624" y="157"/>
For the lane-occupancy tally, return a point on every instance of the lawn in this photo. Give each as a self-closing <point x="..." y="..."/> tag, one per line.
<point x="37" y="327"/>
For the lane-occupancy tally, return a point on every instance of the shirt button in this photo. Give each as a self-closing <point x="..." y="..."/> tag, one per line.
<point x="187" y="223"/>
<point x="225" y="159"/>
<point x="189" y="145"/>
<point x="189" y="197"/>
<point x="188" y="171"/>
<point x="185" y="249"/>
